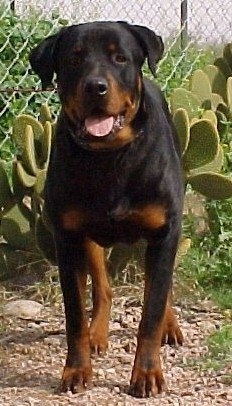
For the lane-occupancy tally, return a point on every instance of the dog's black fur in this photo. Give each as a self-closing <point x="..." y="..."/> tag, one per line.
<point x="119" y="187"/>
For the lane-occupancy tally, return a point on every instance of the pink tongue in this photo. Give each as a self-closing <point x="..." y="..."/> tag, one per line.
<point x="99" y="126"/>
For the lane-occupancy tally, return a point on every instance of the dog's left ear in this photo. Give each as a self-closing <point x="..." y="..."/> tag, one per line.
<point x="42" y="58"/>
<point x="151" y="44"/>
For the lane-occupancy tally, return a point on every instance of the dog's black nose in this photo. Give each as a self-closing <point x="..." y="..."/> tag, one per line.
<point x="96" y="86"/>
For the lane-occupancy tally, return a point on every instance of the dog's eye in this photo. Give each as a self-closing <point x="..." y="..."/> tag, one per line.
<point x="119" y="58"/>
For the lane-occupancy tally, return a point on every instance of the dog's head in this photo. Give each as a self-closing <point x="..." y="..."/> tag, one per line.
<point x="98" y="74"/>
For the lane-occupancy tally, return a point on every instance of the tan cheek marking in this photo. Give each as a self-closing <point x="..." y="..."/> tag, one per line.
<point x="72" y="220"/>
<point x="118" y="100"/>
<point x="151" y="216"/>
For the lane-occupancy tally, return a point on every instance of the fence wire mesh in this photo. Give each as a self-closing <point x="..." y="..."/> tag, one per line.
<point x="23" y="23"/>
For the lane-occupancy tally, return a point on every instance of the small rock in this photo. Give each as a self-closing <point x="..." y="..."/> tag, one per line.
<point x="53" y="341"/>
<point x="23" y="308"/>
<point x="116" y="389"/>
<point x="110" y="371"/>
<point x="33" y="326"/>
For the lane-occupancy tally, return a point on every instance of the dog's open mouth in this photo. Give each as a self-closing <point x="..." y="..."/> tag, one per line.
<point x="104" y="125"/>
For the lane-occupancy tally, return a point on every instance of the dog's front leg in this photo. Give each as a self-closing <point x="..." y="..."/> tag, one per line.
<point x="77" y="372"/>
<point x="147" y="377"/>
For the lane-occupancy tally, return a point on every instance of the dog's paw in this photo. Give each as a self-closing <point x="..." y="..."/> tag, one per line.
<point x="146" y="383"/>
<point x="76" y="380"/>
<point x="98" y="341"/>
<point x="172" y="334"/>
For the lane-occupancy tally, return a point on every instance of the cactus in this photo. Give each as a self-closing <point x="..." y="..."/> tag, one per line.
<point x="16" y="230"/>
<point x="217" y="80"/>
<point x="212" y="185"/>
<point x="208" y="105"/>
<point x="221" y="122"/>
<point x="227" y="54"/>
<point x="181" y="123"/>
<point x="6" y="195"/>
<point x="229" y="95"/>
<point x="202" y="133"/>
<point x="22" y="202"/>
<point x="45" y="114"/>
<point x="199" y="85"/>
<point x="19" y="127"/>
<point x="209" y="89"/>
<point x="213" y="166"/>
<point x="224" y="67"/>
<point x="211" y="116"/>
<point x="182" y="98"/>
<point x="202" y="155"/>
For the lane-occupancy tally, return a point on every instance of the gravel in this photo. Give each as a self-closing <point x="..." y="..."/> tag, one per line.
<point x="32" y="354"/>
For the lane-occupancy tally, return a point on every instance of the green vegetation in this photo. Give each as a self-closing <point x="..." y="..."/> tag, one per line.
<point x="218" y="356"/>
<point x="219" y="352"/>
<point x="21" y="196"/>
<point x="206" y="98"/>
<point x="209" y="260"/>
<point x="177" y="65"/>
<point x="15" y="71"/>
<point x="219" y="344"/>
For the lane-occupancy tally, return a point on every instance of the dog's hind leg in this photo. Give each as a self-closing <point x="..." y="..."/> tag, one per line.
<point x="172" y="334"/>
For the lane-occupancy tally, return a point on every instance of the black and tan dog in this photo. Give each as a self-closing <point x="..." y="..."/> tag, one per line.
<point x="114" y="176"/>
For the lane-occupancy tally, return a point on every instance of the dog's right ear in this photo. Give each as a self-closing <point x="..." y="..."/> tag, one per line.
<point x="42" y="59"/>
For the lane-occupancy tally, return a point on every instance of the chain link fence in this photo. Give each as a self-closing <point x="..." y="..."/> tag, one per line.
<point x="23" y="23"/>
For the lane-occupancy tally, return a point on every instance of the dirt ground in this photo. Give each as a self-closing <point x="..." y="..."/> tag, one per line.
<point x="32" y="354"/>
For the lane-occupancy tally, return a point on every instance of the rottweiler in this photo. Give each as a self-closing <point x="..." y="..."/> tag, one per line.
<point x="114" y="177"/>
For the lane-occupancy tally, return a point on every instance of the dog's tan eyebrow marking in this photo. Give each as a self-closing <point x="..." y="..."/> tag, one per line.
<point x="111" y="47"/>
<point x="77" y="48"/>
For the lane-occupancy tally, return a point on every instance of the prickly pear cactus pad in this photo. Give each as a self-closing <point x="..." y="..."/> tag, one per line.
<point x="181" y="123"/>
<point x="19" y="127"/>
<point x="224" y="66"/>
<point x="217" y="80"/>
<point x="45" y="114"/>
<point x="16" y="230"/>
<point x="203" y="145"/>
<point x="199" y="84"/>
<point x="212" y="185"/>
<point x="227" y="53"/>
<point x="6" y="196"/>
<point x="182" y="98"/>
<point x="213" y="166"/>
<point x="229" y="94"/>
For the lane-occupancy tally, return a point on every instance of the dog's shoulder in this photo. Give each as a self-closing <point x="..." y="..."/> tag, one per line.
<point x="159" y="116"/>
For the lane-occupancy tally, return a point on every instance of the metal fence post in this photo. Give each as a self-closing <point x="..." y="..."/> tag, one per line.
<point x="184" y="24"/>
<point x="12" y="5"/>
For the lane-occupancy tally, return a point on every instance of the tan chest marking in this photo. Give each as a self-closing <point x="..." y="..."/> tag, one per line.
<point x="72" y="219"/>
<point x="151" y="216"/>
